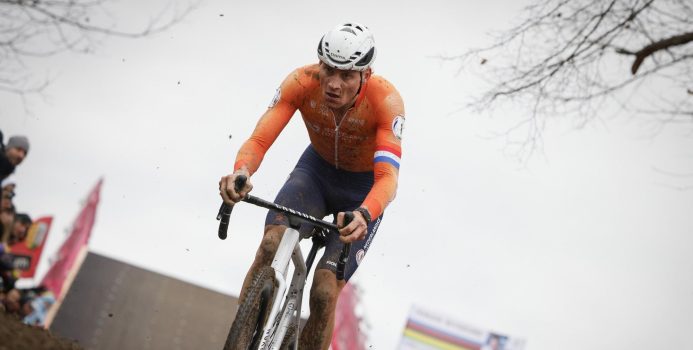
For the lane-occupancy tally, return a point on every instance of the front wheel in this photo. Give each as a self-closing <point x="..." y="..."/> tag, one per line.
<point x="246" y="330"/>
<point x="290" y="337"/>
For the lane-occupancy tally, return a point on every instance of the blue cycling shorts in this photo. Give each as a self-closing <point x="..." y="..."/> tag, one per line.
<point x="317" y="188"/>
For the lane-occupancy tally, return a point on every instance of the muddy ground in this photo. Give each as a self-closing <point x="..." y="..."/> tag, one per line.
<point x="15" y="335"/>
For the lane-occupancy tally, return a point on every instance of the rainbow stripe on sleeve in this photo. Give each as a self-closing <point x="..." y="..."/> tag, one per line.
<point x="388" y="154"/>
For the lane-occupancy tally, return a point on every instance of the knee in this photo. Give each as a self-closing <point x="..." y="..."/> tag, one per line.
<point x="324" y="293"/>
<point x="270" y="243"/>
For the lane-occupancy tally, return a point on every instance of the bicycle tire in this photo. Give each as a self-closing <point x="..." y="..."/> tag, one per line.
<point x="289" y="337"/>
<point x="252" y="314"/>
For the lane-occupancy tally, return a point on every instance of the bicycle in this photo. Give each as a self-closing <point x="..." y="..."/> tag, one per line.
<point x="262" y="321"/>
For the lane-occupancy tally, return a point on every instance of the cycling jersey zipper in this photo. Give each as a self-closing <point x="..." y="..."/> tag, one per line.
<point x="336" y="146"/>
<point x="336" y="136"/>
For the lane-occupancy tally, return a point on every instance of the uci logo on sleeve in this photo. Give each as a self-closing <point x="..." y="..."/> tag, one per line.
<point x="398" y="126"/>
<point x="275" y="99"/>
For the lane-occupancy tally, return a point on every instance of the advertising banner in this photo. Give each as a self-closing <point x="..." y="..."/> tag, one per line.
<point x="27" y="254"/>
<point x="73" y="246"/>
<point x="426" y="330"/>
<point x="347" y="334"/>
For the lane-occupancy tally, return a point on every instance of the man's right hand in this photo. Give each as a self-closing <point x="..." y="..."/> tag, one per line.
<point x="227" y="187"/>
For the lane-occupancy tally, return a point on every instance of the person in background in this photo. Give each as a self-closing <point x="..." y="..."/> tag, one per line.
<point x="20" y="228"/>
<point x="7" y="216"/>
<point x="12" y="155"/>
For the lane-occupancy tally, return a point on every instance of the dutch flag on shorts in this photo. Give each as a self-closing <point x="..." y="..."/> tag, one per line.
<point x="387" y="154"/>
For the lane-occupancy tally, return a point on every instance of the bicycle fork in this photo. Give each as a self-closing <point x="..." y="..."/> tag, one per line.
<point x="289" y="250"/>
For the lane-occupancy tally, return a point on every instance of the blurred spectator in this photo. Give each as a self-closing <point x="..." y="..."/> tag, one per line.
<point x="20" y="228"/>
<point x="7" y="196"/>
<point x="37" y="302"/>
<point x="9" y="184"/>
<point x="6" y="220"/>
<point x="7" y="210"/>
<point x="11" y="302"/>
<point x="12" y="155"/>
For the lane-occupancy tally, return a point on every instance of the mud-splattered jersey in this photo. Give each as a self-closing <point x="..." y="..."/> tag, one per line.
<point x="368" y="137"/>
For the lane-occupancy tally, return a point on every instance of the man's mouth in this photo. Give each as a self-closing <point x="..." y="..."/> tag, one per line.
<point x="332" y="95"/>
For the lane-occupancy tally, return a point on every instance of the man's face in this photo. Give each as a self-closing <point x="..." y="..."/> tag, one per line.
<point x="19" y="230"/>
<point x="339" y="87"/>
<point x="6" y="217"/>
<point x="15" y="155"/>
<point x="6" y="201"/>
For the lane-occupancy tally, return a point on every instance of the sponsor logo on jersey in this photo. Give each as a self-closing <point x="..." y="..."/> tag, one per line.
<point x="357" y="121"/>
<point x="275" y="99"/>
<point x="372" y="233"/>
<point x="398" y="126"/>
<point x="359" y="256"/>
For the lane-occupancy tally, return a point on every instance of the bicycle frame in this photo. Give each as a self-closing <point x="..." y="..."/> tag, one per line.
<point x="289" y="250"/>
<point x="275" y="329"/>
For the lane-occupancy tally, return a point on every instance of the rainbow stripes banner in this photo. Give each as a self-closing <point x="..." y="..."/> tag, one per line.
<point x="426" y="330"/>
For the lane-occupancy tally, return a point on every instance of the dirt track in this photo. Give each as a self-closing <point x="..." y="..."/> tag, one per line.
<point x="16" y="335"/>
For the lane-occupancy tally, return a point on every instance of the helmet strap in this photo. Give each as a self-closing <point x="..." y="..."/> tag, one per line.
<point x="360" y="83"/>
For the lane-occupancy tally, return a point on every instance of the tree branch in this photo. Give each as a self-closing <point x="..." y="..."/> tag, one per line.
<point x="660" y="45"/>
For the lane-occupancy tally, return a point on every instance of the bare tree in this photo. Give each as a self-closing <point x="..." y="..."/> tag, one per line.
<point x="570" y="58"/>
<point x="42" y="28"/>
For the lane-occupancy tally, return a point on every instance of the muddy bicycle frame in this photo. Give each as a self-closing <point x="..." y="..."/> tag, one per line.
<point x="289" y="250"/>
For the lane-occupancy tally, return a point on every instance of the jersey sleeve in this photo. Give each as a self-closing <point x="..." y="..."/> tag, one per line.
<point x="388" y="152"/>
<point x="271" y="124"/>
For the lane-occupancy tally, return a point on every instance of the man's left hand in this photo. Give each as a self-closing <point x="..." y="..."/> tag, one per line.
<point x="356" y="230"/>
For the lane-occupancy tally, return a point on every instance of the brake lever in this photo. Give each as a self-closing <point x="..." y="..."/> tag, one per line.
<point x="346" y="249"/>
<point x="224" y="215"/>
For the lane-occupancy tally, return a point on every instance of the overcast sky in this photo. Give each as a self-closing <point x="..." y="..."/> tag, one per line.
<point x="585" y="246"/>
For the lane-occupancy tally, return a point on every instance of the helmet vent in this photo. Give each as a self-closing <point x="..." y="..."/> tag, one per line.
<point x="320" y="47"/>
<point x="348" y="30"/>
<point x="367" y="58"/>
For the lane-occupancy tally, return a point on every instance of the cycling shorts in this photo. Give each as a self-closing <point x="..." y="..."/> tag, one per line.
<point x="317" y="188"/>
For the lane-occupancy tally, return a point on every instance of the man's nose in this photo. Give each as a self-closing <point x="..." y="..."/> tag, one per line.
<point x="333" y="84"/>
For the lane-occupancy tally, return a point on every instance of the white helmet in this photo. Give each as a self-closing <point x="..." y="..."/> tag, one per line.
<point x="349" y="46"/>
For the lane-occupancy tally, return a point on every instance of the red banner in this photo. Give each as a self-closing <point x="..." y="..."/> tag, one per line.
<point x="347" y="333"/>
<point x="26" y="254"/>
<point x="69" y="251"/>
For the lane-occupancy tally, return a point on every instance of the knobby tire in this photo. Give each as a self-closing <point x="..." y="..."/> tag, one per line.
<point x="246" y="330"/>
<point x="290" y="337"/>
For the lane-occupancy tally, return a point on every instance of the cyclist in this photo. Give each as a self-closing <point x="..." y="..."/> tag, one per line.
<point x="354" y="121"/>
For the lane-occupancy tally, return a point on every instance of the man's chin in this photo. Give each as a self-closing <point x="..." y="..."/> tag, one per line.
<point x="333" y="105"/>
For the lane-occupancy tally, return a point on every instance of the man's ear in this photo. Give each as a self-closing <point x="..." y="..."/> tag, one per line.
<point x="367" y="74"/>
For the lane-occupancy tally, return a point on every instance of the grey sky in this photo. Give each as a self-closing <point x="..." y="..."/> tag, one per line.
<point x="584" y="247"/>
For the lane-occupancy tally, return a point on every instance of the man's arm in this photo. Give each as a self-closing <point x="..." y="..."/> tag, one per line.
<point x="268" y="128"/>
<point x="270" y="125"/>
<point x="388" y="152"/>
<point x="386" y="158"/>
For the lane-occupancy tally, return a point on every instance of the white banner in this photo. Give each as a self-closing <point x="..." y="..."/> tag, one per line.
<point x="426" y="330"/>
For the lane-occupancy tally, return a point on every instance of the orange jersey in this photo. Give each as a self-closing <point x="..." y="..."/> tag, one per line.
<point x="368" y="138"/>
